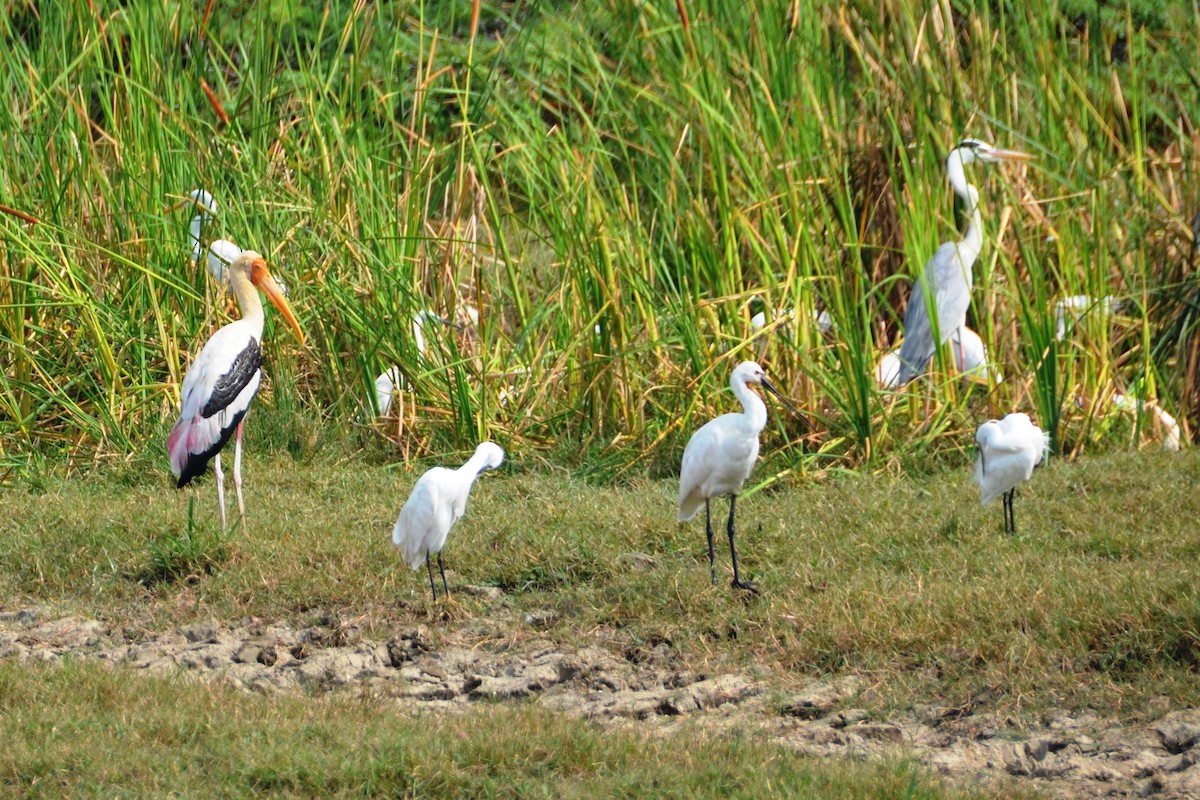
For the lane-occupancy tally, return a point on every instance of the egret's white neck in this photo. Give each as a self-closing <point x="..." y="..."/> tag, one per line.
<point x="753" y="407"/>
<point x="475" y="464"/>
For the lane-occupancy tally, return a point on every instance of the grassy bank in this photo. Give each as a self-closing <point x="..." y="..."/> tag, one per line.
<point x="80" y="730"/>
<point x="1093" y="604"/>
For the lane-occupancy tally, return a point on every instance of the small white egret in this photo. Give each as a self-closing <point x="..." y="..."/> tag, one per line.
<point x="949" y="274"/>
<point x="223" y="380"/>
<point x="437" y="501"/>
<point x="719" y="456"/>
<point x="1009" y="449"/>
<point x="759" y="320"/>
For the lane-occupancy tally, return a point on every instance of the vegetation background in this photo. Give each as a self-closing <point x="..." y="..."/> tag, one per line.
<point x="616" y="188"/>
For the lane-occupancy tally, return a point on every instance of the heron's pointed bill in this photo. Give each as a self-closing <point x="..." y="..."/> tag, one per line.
<point x="996" y="154"/>
<point x="261" y="277"/>
<point x="766" y="384"/>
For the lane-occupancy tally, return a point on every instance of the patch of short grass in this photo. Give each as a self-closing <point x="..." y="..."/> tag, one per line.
<point x="84" y="730"/>
<point x="1094" y="603"/>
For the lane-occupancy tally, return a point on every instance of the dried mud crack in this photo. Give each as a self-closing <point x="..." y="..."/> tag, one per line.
<point x="1073" y="756"/>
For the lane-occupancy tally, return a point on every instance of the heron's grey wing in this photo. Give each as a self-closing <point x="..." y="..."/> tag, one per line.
<point x="945" y="277"/>
<point x="952" y="280"/>
<point x="917" y="347"/>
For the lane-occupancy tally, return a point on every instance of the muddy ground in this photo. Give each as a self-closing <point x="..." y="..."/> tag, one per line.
<point x="450" y="665"/>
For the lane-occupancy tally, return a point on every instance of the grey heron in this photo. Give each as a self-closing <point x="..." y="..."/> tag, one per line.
<point x="949" y="274"/>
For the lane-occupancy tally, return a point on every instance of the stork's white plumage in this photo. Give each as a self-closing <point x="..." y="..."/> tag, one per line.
<point x="223" y="380"/>
<point x="437" y="501"/>
<point x="1009" y="449"/>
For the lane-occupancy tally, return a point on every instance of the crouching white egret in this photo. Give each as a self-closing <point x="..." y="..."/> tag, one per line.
<point x="719" y="456"/>
<point x="1009" y="449"/>
<point x="437" y="501"/>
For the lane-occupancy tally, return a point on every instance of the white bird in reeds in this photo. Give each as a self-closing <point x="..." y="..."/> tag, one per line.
<point x="223" y="380"/>
<point x="949" y="274"/>
<point x="970" y="359"/>
<point x="1069" y="310"/>
<point x="220" y="253"/>
<point x="437" y="501"/>
<point x="1009" y="449"/>
<point x="392" y="379"/>
<point x="719" y="456"/>
<point x="759" y="320"/>
<point x="1171" y="435"/>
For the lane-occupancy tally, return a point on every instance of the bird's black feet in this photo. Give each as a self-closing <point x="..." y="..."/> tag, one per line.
<point x="749" y="586"/>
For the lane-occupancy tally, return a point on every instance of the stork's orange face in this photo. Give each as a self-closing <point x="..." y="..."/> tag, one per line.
<point x="261" y="277"/>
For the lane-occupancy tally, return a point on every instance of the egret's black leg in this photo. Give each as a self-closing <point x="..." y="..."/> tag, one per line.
<point x="712" y="557"/>
<point x="442" y="571"/>
<point x="1012" y="514"/>
<point x="429" y="566"/>
<point x="738" y="583"/>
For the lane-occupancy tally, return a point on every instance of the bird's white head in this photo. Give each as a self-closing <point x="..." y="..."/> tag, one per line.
<point x="748" y="372"/>
<point x="252" y="267"/>
<point x="971" y="150"/>
<point x="491" y="453"/>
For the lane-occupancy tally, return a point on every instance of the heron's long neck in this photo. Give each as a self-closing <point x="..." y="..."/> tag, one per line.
<point x="248" y="301"/>
<point x="972" y="241"/>
<point x="753" y="407"/>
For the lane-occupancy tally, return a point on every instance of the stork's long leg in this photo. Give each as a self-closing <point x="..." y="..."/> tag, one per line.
<point x="220" y="476"/>
<point x="712" y="557"/>
<point x="237" y="472"/>
<point x="429" y="566"/>
<point x="738" y="583"/>
<point x="442" y="571"/>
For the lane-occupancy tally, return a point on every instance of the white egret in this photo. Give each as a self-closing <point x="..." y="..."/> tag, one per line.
<point x="223" y="380"/>
<point x="719" y="456"/>
<point x="437" y="501"/>
<point x="759" y="320"/>
<point x="1009" y="449"/>
<point x="949" y="275"/>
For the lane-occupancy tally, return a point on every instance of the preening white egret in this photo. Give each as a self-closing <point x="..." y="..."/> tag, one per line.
<point x="1009" y="449"/>
<point x="949" y="275"/>
<point x="437" y="501"/>
<point x="221" y="383"/>
<point x="719" y="456"/>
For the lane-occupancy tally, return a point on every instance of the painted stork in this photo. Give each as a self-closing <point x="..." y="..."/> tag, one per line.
<point x="222" y="381"/>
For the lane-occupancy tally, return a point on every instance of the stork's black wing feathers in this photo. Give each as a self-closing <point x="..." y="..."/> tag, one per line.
<point x="231" y="384"/>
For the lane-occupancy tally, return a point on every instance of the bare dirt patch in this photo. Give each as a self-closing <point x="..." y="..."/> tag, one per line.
<point x="1072" y="756"/>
